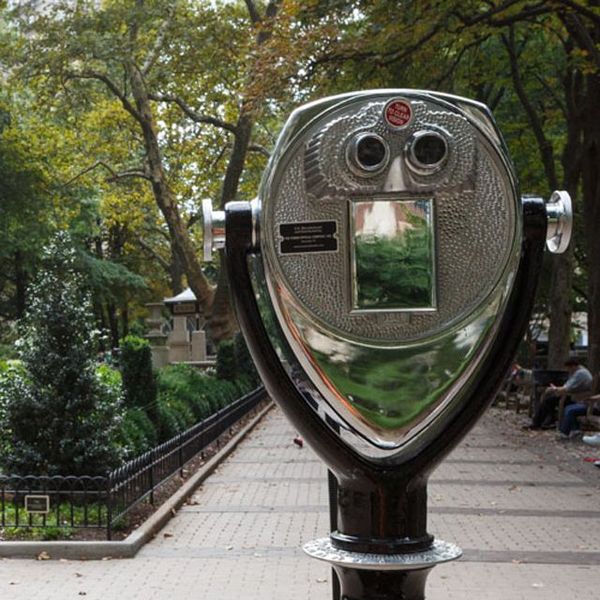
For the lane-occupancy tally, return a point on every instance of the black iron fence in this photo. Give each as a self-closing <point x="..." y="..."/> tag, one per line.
<point x="59" y="503"/>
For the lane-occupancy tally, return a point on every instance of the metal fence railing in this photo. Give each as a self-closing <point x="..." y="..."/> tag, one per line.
<point x="53" y="502"/>
<point x="75" y="502"/>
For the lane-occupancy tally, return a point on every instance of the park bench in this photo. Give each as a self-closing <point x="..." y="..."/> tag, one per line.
<point x="516" y="392"/>
<point x="590" y="398"/>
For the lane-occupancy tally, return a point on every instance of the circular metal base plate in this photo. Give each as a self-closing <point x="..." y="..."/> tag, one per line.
<point x="440" y="552"/>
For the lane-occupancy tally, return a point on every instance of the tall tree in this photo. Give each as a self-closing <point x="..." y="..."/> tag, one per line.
<point x="60" y="418"/>
<point x="24" y="212"/>
<point x="190" y="80"/>
<point x="536" y="64"/>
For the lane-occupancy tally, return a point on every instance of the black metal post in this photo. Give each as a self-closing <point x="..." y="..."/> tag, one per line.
<point x="109" y="482"/>
<point x="380" y="548"/>
<point x="363" y="584"/>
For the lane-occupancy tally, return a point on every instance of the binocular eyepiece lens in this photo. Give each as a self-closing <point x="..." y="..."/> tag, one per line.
<point x="428" y="149"/>
<point x="370" y="151"/>
<point x="368" y="154"/>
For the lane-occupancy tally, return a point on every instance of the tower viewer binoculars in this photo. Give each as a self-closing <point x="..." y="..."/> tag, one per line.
<point x="383" y="278"/>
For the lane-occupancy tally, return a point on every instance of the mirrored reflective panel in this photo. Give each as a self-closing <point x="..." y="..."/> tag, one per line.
<point x="389" y="394"/>
<point x="393" y="255"/>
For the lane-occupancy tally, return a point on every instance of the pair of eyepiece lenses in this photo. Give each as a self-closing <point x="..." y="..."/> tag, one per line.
<point x="368" y="153"/>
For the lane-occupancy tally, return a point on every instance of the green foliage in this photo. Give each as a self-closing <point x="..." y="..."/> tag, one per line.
<point x="139" y="379"/>
<point x="396" y="272"/>
<point x="7" y="352"/>
<point x="234" y="362"/>
<point x="243" y="360"/>
<point x="187" y="395"/>
<point x="138" y="433"/>
<point x="50" y="526"/>
<point x="61" y="416"/>
<point x="226" y="363"/>
<point x="25" y="214"/>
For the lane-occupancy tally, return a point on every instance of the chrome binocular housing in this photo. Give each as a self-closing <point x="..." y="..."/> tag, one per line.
<point x="385" y="247"/>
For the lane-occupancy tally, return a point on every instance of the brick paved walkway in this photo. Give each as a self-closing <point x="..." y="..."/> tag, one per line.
<point x="529" y="530"/>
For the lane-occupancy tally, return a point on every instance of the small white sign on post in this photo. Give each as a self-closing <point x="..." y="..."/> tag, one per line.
<point x="37" y="504"/>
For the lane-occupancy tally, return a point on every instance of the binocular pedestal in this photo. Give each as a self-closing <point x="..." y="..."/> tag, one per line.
<point x="380" y="548"/>
<point x="383" y="280"/>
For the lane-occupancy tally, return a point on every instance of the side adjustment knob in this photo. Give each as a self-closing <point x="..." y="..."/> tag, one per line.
<point x="213" y="229"/>
<point x="559" y="211"/>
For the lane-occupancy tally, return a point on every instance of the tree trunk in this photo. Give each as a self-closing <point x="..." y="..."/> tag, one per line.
<point x="223" y="323"/>
<point x="591" y="215"/>
<point x="559" y="334"/>
<point x="165" y="199"/>
<point x="561" y="305"/>
<point x="175" y="273"/>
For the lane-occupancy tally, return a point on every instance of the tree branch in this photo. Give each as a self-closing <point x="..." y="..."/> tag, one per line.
<point x="161" y="261"/>
<point x="158" y="42"/>
<point x="552" y="92"/>
<point x="457" y="60"/>
<point x="545" y="147"/>
<point x="583" y="10"/>
<point x="114" y="175"/>
<point x="378" y="58"/>
<point x="532" y="10"/>
<point x="253" y="12"/>
<point x="272" y="8"/>
<point x="581" y="33"/>
<point x="111" y="85"/>
<point x="192" y="114"/>
<point x="260" y="149"/>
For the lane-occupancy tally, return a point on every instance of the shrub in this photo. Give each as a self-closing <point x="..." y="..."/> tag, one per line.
<point x="139" y="379"/>
<point x="187" y="395"/>
<point x="226" y="364"/>
<point x="60" y="417"/>
<point x="7" y="352"/>
<point x="185" y="383"/>
<point x="243" y="360"/>
<point x="138" y="433"/>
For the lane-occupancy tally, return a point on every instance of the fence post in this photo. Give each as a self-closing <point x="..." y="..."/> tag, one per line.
<point x="152" y="461"/>
<point x="109" y="507"/>
<point x="180" y="455"/>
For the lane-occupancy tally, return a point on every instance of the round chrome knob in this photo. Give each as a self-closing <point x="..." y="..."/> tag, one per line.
<point x="559" y="211"/>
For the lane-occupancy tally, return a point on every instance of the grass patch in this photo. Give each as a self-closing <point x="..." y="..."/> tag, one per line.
<point x="59" y="524"/>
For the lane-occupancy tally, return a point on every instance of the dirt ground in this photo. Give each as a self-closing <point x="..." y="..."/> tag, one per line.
<point x="569" y="455"/>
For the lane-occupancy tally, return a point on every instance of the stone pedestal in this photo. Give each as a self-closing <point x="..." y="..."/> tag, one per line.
<point x="179" y="341"/>
<point x="198" y="346"/>
<point x="155" y="335"/>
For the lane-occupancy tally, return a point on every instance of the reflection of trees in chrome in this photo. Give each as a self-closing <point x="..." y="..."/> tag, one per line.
<point x="396" y="272"/>
<point x="391" y="391"/>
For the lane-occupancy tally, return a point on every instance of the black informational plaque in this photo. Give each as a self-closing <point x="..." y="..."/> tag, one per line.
<point x="37" y="503"/>
<point x="311" y="236"/>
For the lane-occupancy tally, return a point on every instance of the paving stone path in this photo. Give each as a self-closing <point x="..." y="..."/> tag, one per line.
<point x="528" y="528"/>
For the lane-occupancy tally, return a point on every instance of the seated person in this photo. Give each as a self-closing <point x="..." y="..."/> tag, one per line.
<point x="580" y="380"/>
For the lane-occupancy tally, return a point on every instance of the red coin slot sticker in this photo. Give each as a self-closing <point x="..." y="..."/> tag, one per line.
<point x="398" y="113"/>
